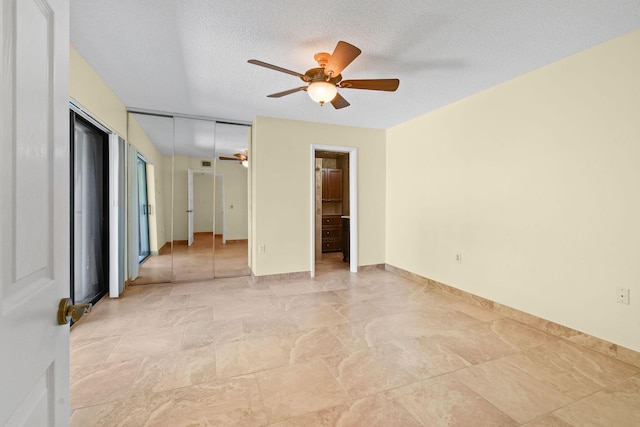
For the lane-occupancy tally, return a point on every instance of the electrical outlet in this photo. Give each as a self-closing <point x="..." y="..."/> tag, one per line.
<point x="459" y="258"/>
<point x="262" y="248"/>
<point x="622" y="295"/>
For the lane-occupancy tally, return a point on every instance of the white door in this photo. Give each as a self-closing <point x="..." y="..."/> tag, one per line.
<point x="34" y="221"/>
<point x="190" y="206"/>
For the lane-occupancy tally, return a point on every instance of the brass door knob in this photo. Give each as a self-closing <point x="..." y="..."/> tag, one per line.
<point x="68" y="312"/>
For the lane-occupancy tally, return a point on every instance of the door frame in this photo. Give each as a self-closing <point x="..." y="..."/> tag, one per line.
<point x="353" y="203"/>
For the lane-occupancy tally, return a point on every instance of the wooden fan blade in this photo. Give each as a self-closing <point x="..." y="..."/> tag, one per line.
<point x="235" y="159"/>
<point x="275" y="67"/>
<point x="342" y="56"/>
<point x="287" y="92"/>
<point x="339" y="102"/>
<point x="389" y="85"/>
<point x="240" y="156"/>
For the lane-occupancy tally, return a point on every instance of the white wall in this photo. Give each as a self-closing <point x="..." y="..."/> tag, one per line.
<point x="281" y="180"/>
<point x="536" y="182"/>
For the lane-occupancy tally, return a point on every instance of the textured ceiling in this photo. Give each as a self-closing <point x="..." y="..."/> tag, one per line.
<point x="191" y="56"/>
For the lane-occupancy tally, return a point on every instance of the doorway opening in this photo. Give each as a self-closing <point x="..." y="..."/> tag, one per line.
<point x="334" y="209"/>
<point x="89" y="204"/>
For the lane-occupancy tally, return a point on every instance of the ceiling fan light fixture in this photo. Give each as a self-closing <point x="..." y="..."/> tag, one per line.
<point x="322" y="91"/>
<point x="245" y="163"/>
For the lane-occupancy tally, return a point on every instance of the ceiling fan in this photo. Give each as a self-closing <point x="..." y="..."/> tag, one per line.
<point x="239" y="157"/>
<point x="323" y="82"/>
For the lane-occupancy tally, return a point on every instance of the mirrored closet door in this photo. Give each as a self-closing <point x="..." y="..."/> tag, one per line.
<point x="197" y="198"/>
<point x="149" y="198"/>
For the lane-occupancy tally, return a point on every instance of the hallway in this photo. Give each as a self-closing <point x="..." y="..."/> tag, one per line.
<point x="343" y="349"/>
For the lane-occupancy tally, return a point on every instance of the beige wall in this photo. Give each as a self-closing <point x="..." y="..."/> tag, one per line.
<point x="536" y="183"/>
<point x="89" y="91"/>
<point x="92" y="93"/>
<point x="281" y="161"/>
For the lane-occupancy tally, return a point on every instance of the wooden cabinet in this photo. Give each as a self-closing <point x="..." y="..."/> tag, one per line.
<point x="331" y="210"/>
<point x="331" y="185"/>
<point x="331" y="233"/>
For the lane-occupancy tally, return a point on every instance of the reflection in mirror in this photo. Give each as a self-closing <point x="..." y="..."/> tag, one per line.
<point x="149" y="198"/>
<point x="231" y="200"/>
<point x="190" y="220"/>
<point x="193" y="201"/>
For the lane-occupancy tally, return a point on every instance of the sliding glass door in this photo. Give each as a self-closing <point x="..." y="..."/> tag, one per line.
<point x="90" y="223"/>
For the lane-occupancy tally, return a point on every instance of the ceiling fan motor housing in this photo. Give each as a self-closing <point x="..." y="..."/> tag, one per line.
<point x="317" y="75"/>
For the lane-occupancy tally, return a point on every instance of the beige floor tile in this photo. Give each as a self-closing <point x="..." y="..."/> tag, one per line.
<point x="250" y="355"/>
<point x="229" y="297"/>
<point x="414" y="324"/>
<point x="103" y="383"/>
<point x="175" y="370"/>
<point x="201" y="334"/>
<point x="233" y="402"/>
<point x="155" y="342"/>
<point x="372" y="411"/>
<point x="475" y="343"/>
<point x="291" y="287"/>
<point x="340" y="349"/>
<point x="421" y="357"/>
<point x="318" y="317"/>
<point x="370" y="371"/>
<point x="317" y="299"/>
<point x="245" y="307"/>
<point x="355" y="311"/>
<point x="297" y="389"/>
<point x="617" y="405"/>
<point x="352" y="335"/>
<point x="104" y="324"/>
<point x="182" y="316"/>
<point x="271" y="324"/>
<point x="515" y="393"/>
<point x="444" y="401"/>
<point x="314" y="344"/>
<point x="572" y="370"/>
<point x="366" y="291"/>
<point x="96" y="416"/>
<point x="547" y="421"/>
<point x="92" y="351"/>
<point x="320" y="284"/>
<point x="520" y="336"/>
<point x="142" y="302"/>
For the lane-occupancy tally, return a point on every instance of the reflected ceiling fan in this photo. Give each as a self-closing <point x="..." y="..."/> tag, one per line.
<point x="239" y="157"/>
<point x="323" y="82"/>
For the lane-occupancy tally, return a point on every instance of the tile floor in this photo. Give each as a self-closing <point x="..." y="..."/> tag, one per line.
<point x="343" y="349"/>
